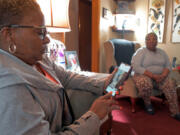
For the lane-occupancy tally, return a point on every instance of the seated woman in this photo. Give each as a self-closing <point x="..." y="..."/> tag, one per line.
<point x="32" y="96"/>
<point x="152" y="67"/>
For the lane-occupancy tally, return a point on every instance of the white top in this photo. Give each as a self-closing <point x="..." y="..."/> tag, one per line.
<point x="155" y="62"/>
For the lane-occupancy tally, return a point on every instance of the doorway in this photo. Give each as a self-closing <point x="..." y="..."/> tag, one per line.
<point x="85" y="32"/>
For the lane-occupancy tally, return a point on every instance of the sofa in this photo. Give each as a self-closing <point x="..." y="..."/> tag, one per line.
<point x="81" y="101"/>
<point x="129" y="88"/>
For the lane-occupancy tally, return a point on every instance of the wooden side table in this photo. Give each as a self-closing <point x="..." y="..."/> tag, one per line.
<point x="106" y="127"/>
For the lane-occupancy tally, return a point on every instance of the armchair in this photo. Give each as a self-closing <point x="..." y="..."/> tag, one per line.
<point x="112" y="49"/>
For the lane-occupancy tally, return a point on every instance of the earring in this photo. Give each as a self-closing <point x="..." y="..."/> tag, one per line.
<point x="12" y="48"/>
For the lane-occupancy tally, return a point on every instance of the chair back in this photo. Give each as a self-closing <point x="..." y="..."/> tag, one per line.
<point x="123" y="50"/>
<point x="117" y="51"/>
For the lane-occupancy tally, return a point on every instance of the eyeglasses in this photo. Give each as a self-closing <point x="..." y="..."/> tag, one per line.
<point x="43" y="30"/>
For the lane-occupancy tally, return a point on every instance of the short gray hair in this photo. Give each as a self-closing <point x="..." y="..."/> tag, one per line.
<point x="151" y="33"/>
<point x="12" y="11"/>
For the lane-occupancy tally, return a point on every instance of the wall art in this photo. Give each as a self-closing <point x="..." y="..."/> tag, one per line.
<point x="176" y="22"/>
<point x="156" y="17"/>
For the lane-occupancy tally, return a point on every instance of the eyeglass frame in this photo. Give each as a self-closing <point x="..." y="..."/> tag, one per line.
<point x="44" y="32"/>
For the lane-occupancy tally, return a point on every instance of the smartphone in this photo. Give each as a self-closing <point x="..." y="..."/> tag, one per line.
<point x="120" y="76"/>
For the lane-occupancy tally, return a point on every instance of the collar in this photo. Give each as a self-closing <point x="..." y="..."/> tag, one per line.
<point x="14" y="71"/>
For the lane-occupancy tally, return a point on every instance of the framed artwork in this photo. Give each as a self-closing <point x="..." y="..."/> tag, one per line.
<point x="55" y="51"/>
<point x="106" y="13"/>
<point x="156" y="17"/>
<point x="72" y="61"/>
<point x="176" y="22"/>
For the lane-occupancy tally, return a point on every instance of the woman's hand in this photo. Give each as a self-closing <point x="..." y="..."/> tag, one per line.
<point x="161" y="77"/>
<point x="109" y="79"/>
<point x="103" y="105"/>
<point x="158" y="78"/>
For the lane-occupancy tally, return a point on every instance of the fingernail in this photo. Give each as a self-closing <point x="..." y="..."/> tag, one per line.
<point x="120" y="88"/>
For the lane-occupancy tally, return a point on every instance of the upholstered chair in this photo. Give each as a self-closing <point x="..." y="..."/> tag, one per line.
<point x="120" y="50"/>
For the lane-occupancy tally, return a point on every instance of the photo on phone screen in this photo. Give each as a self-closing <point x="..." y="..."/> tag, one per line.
<point x="120" y="76"/>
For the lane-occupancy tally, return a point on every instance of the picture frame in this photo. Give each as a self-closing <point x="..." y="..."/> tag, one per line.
<point x="55" y="52"/>
<point x="106" y="13"/>
<point x="156" y="18"/>
<point x="72" y="61"/>
<point x="175" y="36"/>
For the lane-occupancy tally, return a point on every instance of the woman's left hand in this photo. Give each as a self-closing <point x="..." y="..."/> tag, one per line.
<point x="159" y="78"/>
<point x="162" y="77"/>
<point x="109" y="79"/>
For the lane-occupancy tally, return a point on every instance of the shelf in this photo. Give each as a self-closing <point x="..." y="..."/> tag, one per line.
<point x="114" y="29"/>
<point x="123" y="31"/>
<point x="118" y="11"/>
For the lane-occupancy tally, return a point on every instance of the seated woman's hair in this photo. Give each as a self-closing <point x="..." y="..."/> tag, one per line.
<point x="151" y="33"/>
<point x="12" y="11"/>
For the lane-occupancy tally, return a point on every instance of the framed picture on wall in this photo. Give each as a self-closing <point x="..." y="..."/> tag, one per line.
<point x="156" y="17"/>
<point x="106" y="13"/>
<point x="72" y="61"/>
<point x="176" y="22"/>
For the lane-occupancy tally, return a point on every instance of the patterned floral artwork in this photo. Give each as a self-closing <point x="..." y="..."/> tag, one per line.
<point x="156" y="17"/>
<point x="176" y="22"/>
<point x="55" y="51"/>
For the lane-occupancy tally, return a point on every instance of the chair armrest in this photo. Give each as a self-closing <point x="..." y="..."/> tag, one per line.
<point x="129" y="89"/>
<point x="109" y="55"/>
<point x="137" y="46"/>
<point x="176" y="76"/>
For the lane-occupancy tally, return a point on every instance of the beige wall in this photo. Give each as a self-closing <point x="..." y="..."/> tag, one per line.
<point x="171" y="49"/>
<point x="105" y="30"/>
<point x="141" y="9"/>
<point x="72" y="38"/>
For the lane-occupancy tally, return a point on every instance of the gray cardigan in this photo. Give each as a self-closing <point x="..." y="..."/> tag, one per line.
<point x="30" y="103"/>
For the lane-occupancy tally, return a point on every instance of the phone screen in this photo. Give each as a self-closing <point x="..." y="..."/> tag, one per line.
<point x="120" y="76"/>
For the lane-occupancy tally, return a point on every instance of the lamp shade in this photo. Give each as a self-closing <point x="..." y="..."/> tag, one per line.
<point x="56" y="13"/>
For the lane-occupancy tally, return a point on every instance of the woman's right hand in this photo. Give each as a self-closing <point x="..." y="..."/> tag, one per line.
<point x="103" y="105"/>
<point x="109" y="79"/>
<point x="158" y="78"/>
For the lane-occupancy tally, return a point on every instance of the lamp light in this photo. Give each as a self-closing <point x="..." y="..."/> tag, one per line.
<point x="56" y="14"/>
